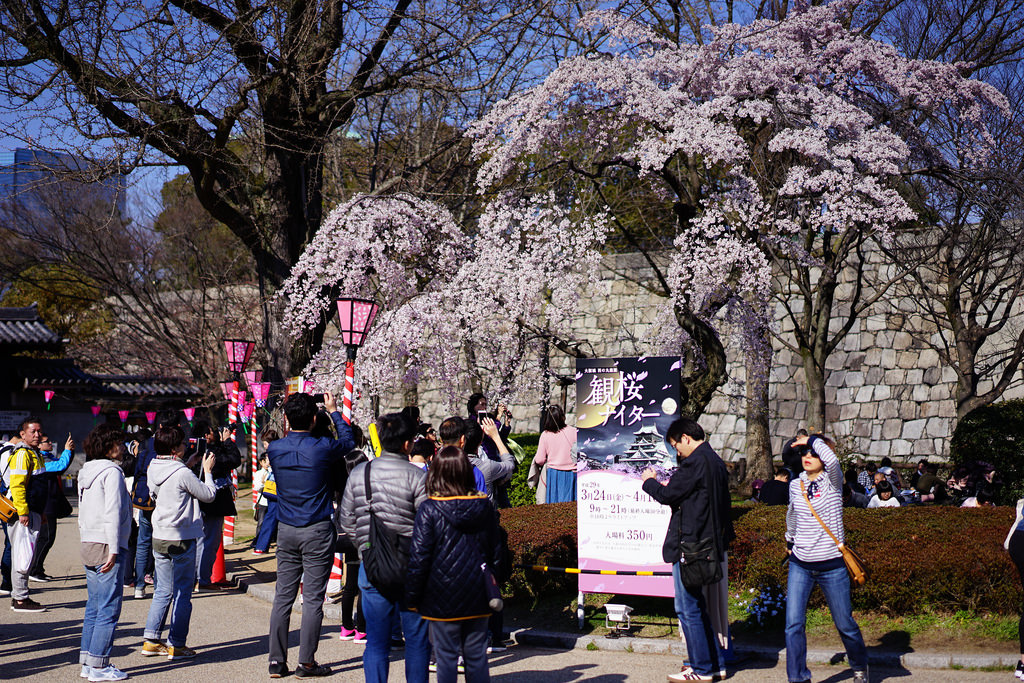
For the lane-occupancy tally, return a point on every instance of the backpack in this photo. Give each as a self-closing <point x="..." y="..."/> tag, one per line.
<point x="386" y="556"/>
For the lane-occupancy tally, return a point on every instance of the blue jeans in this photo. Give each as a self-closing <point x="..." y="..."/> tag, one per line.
<point x="379" y="611"/>
<point x="143" y="546"/>
<point x="835" y="584"/>
<point x="175" y="575"/>
<point x="268" y="525"/>
<point x="701" y="643"/>
<point x="213" y="536"/>
<point x="102" y="610"/>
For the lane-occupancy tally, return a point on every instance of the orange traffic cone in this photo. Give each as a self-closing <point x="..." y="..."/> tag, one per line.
<point x="218" y="575"/>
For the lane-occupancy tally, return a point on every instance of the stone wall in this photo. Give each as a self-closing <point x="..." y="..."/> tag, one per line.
<point x="887" y="393"/>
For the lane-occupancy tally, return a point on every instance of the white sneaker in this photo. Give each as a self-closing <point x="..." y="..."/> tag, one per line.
<point x="110" y="673"/>
<point x="86" y="671"/>
<point x="140" y="592"/>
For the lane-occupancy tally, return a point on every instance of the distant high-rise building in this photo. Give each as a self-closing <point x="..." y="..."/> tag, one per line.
<point x="35" y="182"/>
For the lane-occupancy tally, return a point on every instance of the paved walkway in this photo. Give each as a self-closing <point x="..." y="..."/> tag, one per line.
<point x="229" y="630"/>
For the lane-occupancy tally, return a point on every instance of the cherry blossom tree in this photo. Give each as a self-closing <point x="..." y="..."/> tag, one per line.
<point x="757" y="136"/>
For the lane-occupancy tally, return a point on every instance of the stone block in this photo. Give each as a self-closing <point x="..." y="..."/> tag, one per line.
<point x="932" y="376"/>
<point x="864" y="394"/>
<point x="913" y="429"/>
<point x="909" y="410"/>
<point x="878" y="449"/>
<point x="907" y="360"/>
<point x="855" y="361"/>
<point x="901" y="392"/>
<point x="876" y="431"/>
<point x="835" y="362"/>
<point x="894" y="378"/>
<point x="928" y="409"/>
<point x="861" y="428"/>
<point x="869" y="411"/>
<point x="873" y="356"/>
<point x="942" y="393"/>
<point x="915" y="376"/>
<point x="836" y="378"/>
<point x="844" y="396"/>
<point x="947" y="409"/>
<point x="891" y="429"/>
<point x="885" y="339"/>
<point x="889" y="358"/>
<point x="948" y="374"/>
<point x="937" y="427"/>
<point x="830" y="394"/>
<point x="929" y="358"/>
<point x="854" y="379"/>
<point x="848" y="411"/>
<point x="882" y="392"/>
<point x="924" y="448"/>
<point x="874" y="323"/>
<point x="888" y="410"/>
<point x="902" y="341"/>
<point x="921" y="393"/>
<point x="874" y="375"/>
<point x="831" y="414"/>
<point x="786" y="391"/>
<point x="900" y="447"/>
<point x="726" y="424"/>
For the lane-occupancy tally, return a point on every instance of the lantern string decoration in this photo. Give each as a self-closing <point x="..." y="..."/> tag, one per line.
<point x="150" y="416"/>
<point x="48" y="395"/>
<point x="189" y="414"/>
<point x="123" y="414"/>
<point x="239" y="352"/>
<point x="260" y="393"/>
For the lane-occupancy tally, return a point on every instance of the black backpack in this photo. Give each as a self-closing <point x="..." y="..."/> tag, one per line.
<point x="386" y="556"/>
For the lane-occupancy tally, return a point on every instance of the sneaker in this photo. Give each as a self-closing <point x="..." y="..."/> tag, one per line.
<point x="432" y="667"/>
<point x="180" y="652"/>
<point x="860" y="677"/>
<point x="86" y="671"/>
<point x="688" y="674"/>
<point x="460" y="665"/>
<point x="41" y="577"/>
<point x="1019" y="673"/>
<point x="312" y="670"/>
<point x="208" y="588"/>
<point x="496" y="646"/>
<point x="4" y="592"/>
<point x="278" y="669"/>
<point x="26" y="605"/>
<point x="347" y="633"/>
<point x="108" y="673"/>
<point x="360" y="638"/>
<point x="140" y="592"/>
<point x="153" y="648"/>
<point x="259" y="552"/>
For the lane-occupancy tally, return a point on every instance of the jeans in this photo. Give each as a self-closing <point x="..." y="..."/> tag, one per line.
<point x="304" y="554"/>
<point x="268" y="525"/>
<point x="1017" y="555"/>
<point x="379" y="611"/>
<point x="102" y="610"/>
<point x="701" y="643"/>
<point x="468" y="637"/>
<point x="175" y="575"/>
<point x="835" y="584"/>
<point x="144" y="546"/>
<point x="213" y="536"/>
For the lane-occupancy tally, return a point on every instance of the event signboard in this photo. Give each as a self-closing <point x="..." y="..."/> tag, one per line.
<point x="623" y="409"/>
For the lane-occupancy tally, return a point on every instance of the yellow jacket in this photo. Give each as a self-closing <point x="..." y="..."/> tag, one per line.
<point x="25" y="464"/>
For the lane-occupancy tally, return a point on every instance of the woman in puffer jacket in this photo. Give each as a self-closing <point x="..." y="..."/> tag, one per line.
<point x="454" y="555"/>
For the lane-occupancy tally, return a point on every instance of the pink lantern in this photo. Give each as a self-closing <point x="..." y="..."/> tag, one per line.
<point x="150" y="416"/>
<point x="189" y="414"/>
<point x="260" y="392"/>
<point x="247" y="411"/>
<point x="48" y="394"/>
<point x="226" y="388"/>
<point x="241" y="398"/>
<point x="252" y="377"/>
<point x="354" y="318"/>
<point x="123" y="414"/>
<point x="308" y="387"/>
<point x="239" y="351"/>
<point x="96" y="410"/>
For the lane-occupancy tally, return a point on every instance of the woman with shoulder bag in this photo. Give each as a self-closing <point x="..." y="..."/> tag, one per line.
<point x="453" y="562"/>
<point x="814" y="530"/>
<point x="1014" y="544"/>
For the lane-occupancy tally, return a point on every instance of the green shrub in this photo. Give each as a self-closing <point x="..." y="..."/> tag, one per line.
<point x="920" y="558"/>
<point x="994" y="434"/>
<point x="541" y="535"/>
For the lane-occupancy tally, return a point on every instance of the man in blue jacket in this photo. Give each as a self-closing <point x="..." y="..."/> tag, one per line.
<point x="308" y="471"/>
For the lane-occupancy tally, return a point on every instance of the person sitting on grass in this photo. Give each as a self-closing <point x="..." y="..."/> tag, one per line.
<point x="884" y="497"/>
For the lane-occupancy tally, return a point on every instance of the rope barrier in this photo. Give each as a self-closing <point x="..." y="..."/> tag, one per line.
<point x="576" y="570"/>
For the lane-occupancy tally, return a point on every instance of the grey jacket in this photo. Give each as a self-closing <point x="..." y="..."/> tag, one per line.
<point x="398" y="488"/>
<point x="177" y="492"/>
<point x="104" y="507"/>
<point x="495" y="473"/>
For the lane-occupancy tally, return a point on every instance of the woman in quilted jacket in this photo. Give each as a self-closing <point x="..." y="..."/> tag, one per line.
<point x="453" y="559"/>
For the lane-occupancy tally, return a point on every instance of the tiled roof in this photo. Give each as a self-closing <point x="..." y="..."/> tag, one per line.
<point x="41" y="373"/>
<point x="139" y="387"/>
<point x="22" y="329"/>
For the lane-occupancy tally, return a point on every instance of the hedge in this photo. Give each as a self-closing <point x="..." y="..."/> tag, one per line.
<point x="920" y="557"/>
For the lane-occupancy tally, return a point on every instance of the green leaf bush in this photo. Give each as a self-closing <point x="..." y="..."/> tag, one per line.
<point x="994" y="434"/>
<point x="920" y="557"/>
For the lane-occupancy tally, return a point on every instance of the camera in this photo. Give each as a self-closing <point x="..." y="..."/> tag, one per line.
<point x="195" y="447"/>
<point x="317" y="398"/>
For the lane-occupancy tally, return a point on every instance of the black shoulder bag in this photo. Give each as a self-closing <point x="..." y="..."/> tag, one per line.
<point x="700" y="564"/>
<point x="386" y="555"/>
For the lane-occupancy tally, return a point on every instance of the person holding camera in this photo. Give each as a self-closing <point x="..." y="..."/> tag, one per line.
<point x="226" y="458"/>
<point x="177" y="528"/>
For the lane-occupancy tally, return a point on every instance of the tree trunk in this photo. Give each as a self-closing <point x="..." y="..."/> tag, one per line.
<point x="758" y="448"/>
<point x="814" y="380"/>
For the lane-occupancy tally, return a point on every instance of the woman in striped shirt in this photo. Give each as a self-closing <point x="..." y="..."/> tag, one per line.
<point x="816" y="559"/>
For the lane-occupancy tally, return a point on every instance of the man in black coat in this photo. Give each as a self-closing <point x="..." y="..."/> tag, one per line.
<point x="698" y="493"/>
<point x="228" y="458"/>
